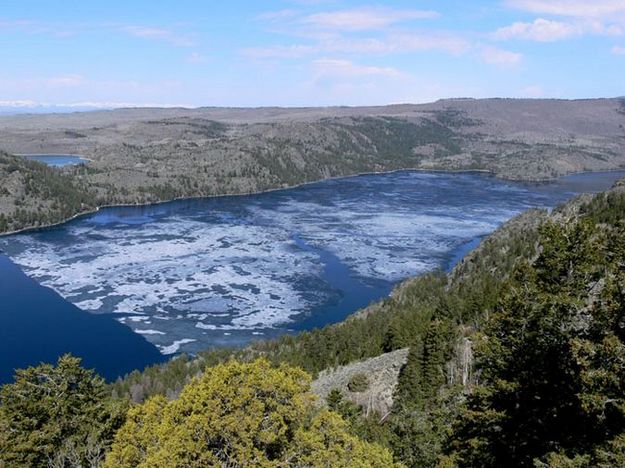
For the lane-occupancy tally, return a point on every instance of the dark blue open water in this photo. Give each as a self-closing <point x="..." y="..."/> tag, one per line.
<point x="38" y="325"/>
<point x="192" y="274"/>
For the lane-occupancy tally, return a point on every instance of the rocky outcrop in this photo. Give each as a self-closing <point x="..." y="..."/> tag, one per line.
<point x="382" y="373"/>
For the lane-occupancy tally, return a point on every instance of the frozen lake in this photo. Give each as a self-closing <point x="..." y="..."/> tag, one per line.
<point x="192" y="274"/>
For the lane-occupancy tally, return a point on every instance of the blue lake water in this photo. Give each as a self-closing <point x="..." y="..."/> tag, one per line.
<point x="37" y="325"/>
<point x="57" y="160"/>
<point x="192" y="274"/>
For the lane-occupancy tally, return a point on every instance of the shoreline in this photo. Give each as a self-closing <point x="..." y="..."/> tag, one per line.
<point x="456" y="255"/>
<point x="303" y="184"/>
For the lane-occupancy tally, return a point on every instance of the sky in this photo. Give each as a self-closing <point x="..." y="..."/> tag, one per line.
<point x="306" y="52"/>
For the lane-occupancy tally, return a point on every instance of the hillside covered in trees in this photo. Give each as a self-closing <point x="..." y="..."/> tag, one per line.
<point x="33" y="194"/>
<point x="516" y="358"/>
<point x="140" y="156"/>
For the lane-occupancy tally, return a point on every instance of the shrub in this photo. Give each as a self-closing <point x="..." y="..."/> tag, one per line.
<point x="358" y="383"/>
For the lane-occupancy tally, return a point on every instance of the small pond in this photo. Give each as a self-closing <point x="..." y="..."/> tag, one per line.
<point x="57" y="160"/>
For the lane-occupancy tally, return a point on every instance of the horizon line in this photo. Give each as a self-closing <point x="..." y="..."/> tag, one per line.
<point x="28" y="105"/>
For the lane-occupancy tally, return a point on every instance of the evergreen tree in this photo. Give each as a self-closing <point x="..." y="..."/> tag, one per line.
<point x="552" y="357"/>
<point x="57" y="415"/>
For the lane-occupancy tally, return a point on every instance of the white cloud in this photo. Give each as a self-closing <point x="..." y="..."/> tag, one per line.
<point x="618" y="50"/>
<point x="65" y="30"/>
<point x="37" y="27"/>
<point x="334" y="81"/>
<point x="408" y="42"/>
<point x="500" y="57"/>
<point x="341" y="33"/>
<point x="161" y="34"/>
<point x="372" y="88"/>
<point x="544" y="30"/>
<point x="277" y="15"/>
<point x="19" y="103"/>
<point x="577" y="8"/>
<point x="346" y="69"/>
<point x="280" y="52"/>
<point x="541" y="30"/>
<point x="367" y="18"/>
<point x="310" y="2"/>
<point x="392" y="44"/>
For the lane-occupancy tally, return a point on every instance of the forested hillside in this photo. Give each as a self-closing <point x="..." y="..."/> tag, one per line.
<point x="234" y="415"/>
<point x="441" y="318"/>
<point x="33" y="194"/>
<point x="151" y="155"/>
<point x="516" y="358"/>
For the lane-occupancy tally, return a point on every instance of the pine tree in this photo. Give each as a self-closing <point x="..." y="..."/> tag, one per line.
<point x="59" y="413"/>
<point x="552" y="357"/>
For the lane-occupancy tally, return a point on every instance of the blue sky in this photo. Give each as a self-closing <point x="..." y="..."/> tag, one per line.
<point x="306" y="52"/>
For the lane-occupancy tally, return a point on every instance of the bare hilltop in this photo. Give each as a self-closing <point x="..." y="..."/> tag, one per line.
<point x="144" y="155"/>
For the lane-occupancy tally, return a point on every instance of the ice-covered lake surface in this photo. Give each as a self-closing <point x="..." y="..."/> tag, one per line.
<point x="192" y="274"/>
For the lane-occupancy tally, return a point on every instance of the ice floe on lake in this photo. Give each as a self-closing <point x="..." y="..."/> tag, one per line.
<point x="221" y="271"/>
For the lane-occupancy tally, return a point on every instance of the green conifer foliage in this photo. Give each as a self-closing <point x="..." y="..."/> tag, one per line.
<point x="552" y="357"/>
<point x="57" y="415"/>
